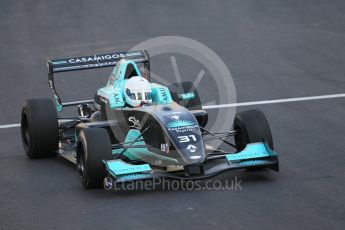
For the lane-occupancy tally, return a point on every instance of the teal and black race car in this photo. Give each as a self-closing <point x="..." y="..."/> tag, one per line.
<point x="164" y="136"/>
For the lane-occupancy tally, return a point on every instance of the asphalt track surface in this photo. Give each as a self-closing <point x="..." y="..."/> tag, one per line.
<point x="275" y="49"/>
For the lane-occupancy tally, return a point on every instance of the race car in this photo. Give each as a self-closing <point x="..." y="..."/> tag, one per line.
<point x="135" y="129"/>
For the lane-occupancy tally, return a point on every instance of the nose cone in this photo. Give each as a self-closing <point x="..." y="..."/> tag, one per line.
<point x="184" y="132"/>
<point x="192" y="154"/>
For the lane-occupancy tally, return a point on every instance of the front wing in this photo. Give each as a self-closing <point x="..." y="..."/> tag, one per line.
<point x="255" y="155"/>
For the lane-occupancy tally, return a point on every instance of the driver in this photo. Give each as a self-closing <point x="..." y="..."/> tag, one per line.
<point x="137" y="92"/>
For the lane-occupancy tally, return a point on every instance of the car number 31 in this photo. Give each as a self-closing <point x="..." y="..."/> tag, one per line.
<point x="184" y="139"/>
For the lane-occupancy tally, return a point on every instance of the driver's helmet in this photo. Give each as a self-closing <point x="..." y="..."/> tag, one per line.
<point x="137" y="91"/>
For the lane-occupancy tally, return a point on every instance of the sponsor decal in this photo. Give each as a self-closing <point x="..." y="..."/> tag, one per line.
<point x="165" y="148"/>
<point x="117" y="98"/>
<point x="171" y="113"/>
<point x="163" y="93"/>
<point x="252" y="151"/>
<point x="175" y="117"/>
<point x="253" y="162"/>
<point x="134" y="123"/>
<point x="94" y="58"/>
<point x="98" y="58"/>
<point x="192" y="148"/>
<point x="183" y="129"/>
<point x="118" y="167"/>
<point x="181" y="126"/>
<point x="180" y="123"/>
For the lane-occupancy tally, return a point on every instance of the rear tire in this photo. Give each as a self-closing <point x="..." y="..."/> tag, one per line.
<point x="39" y="128"/>
<point x="94" y="146"/>
<point x="251" y="126"/>
<point x="185" y="87"/>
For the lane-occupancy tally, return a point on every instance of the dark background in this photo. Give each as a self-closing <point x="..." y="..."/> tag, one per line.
<point x="274" y="49"/>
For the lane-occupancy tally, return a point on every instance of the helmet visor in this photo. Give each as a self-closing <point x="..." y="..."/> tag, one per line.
<point x="140" y="96"/>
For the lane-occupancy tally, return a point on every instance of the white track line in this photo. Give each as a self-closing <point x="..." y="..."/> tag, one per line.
<point x="9" y="126"/>
<point x="274" y="101"/>
<point x="295" y="99"/>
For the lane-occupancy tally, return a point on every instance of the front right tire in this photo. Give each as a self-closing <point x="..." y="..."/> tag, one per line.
<point x="251" y="126"/>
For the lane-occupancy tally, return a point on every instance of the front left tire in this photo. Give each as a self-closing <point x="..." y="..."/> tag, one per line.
<point x="93" y="147"/>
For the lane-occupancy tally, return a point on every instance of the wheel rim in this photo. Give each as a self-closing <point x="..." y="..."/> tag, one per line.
<point x="25" y="131"/>
<point x="240" y="139"/>
<point x="80" y="165"/>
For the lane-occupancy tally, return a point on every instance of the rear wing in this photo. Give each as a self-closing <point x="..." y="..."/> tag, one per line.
<point x="93" y="62"/>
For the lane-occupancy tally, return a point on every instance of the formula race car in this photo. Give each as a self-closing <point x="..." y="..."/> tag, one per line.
<point x="137" y="130"/>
